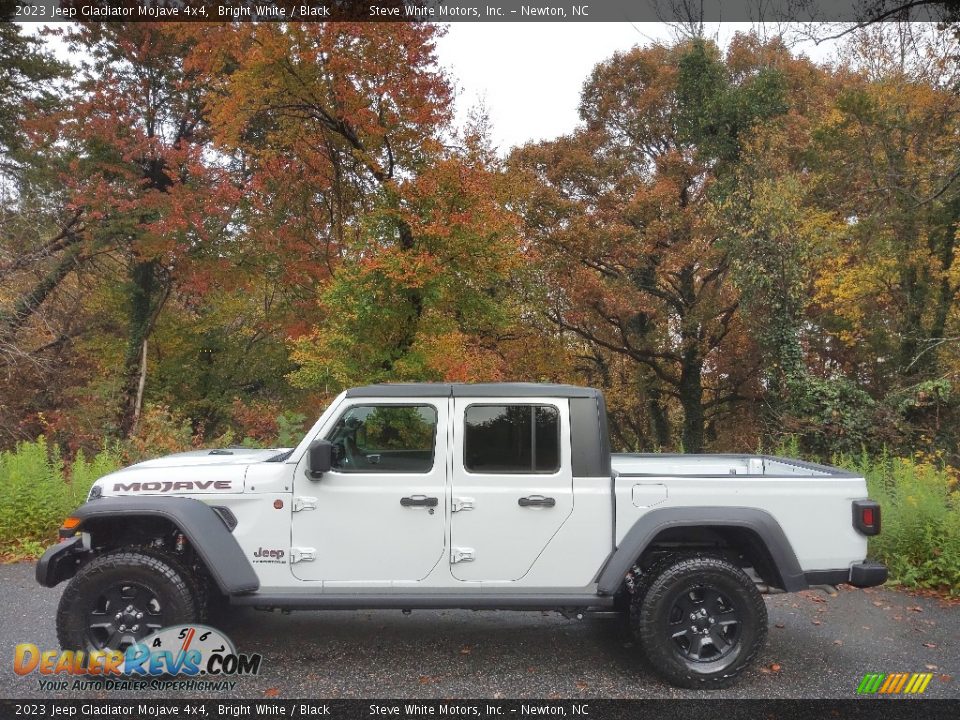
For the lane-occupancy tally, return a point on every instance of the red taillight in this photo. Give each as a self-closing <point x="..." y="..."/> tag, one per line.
<point x="866" y="517"/>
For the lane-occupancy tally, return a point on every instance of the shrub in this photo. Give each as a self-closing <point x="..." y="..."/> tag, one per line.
<point x="37" y="490"/>
<point x="920" y="509"/>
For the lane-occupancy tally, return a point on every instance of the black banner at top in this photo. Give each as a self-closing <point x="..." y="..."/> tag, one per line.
<point x="445" y="11"/>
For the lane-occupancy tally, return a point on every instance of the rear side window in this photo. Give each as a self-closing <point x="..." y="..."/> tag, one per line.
<point x="385" y="439"/>
<point x="511" y="439"/>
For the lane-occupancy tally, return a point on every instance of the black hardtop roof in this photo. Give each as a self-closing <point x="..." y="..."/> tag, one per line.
<point x="507" y="389"/>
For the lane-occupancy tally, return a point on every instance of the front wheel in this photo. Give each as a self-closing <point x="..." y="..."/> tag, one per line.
<point x="700" y="621"/>
<point x="122" y="596"/>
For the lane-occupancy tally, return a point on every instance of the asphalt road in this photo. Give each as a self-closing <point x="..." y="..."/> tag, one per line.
<point x="818" y="647"/>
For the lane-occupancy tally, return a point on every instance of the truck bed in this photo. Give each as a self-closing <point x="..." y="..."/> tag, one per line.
<point x="676" y="465"/>
<point x="810" y="502"/>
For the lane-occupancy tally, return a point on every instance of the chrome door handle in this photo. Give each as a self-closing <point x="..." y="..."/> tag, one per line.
<point x="536" y="501"/>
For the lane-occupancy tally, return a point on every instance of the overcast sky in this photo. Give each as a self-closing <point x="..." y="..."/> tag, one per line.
<point x="529" y="75"/>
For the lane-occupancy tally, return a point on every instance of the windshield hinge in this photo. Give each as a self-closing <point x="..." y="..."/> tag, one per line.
<point x="304" y="503"/>
<point x="302" y="554"/>
<point x="462" y="554"/>
<point x="462" y="503"/>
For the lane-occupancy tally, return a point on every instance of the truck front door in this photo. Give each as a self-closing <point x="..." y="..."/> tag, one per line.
<point x="512" y="486"/>
<point x="378" y="515"/>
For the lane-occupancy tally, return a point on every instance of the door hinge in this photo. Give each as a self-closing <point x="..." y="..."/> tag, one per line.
<point x="302" y="554"/>
<point x="461" y="554"/>
<point x="304" y="503"/>
<point x="462" y="503"/>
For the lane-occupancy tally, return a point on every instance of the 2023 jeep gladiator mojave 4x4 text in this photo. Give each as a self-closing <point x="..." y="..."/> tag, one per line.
<point x="488" y="496"/>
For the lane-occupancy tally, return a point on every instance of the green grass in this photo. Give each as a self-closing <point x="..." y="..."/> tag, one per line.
<point x="37" y="490"/>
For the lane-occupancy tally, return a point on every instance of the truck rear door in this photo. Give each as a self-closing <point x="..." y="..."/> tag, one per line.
<point x="512" y="487"/>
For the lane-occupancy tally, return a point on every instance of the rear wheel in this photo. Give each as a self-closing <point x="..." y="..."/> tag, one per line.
<point x="700" y="621"/>
<point x="122" y="596"/>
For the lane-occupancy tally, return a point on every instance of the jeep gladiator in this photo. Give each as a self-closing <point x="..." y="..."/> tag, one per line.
<point x="485" y="496"/>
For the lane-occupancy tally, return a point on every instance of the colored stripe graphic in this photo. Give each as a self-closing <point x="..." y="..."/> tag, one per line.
<point x="894" y="683"/>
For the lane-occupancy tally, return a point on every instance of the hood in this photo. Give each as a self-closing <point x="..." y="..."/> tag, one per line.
<point x="198" y="472"/>
<point x="193" y="458"/>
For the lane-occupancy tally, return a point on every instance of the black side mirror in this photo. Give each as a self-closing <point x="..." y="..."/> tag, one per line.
<point x="319" y="457"/>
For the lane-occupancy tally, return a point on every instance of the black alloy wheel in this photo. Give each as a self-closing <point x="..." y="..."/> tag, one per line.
<point x="699" y="619"/>
<point x="122" y="596"/>
<point x="123" y="614"/>
<point x="704" y="624"/>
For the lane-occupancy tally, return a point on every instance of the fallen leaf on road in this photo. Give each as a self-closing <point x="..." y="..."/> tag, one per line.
<point x="531" y="669"/>
<point x="779" y="625"/>
<point x="816" y="622"/>
<point x="915" y="608"/>
<point x="931" y="667"/>
<point x="465" y="650"/>
<point x="271" y="692"/>
<point x="898" y="617"/>
<point x="930" y="645"/>
<point x="878" y="603"/>
<point x="775" y="667"/>
<point x="946" y="678"/>
<point x="581" y="685"/>
<point x="838" y="642"/>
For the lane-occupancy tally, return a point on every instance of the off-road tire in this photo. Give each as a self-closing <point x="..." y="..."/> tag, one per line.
<point x="152" y="573"/>
<point x="730" y="601"/>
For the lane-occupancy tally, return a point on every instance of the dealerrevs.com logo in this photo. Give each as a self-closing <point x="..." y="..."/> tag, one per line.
<point x="182" y="657"/>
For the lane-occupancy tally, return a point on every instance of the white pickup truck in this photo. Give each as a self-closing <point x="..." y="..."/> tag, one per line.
<point x="487" y="496"/>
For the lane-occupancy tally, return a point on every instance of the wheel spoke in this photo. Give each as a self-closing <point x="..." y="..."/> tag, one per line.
<point x="711" y="600"/>
<point x="685" y="603"/>
<point x="696" y="647"/>
<point x="114" y="599"/>
<point x="719" y="639"/>
<point x="113" y="642"/>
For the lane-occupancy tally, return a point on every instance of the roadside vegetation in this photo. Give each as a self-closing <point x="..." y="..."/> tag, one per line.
<point x="919" y="538"/>
<point x="38" y="489"/>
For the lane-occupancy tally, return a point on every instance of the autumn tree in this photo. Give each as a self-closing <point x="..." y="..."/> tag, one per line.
<point x="401" y="216"/>
<point x="619" y="215"/>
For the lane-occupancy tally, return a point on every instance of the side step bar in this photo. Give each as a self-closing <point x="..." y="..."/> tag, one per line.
<point x="422" y="601"/>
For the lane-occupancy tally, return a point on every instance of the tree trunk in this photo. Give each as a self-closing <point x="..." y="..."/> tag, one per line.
<point x="27" y="305"/>
<point x="691" y="400"/>
<point x="141" y="384"/>
<point x="142" y="289"/>
<point x="659" y="417"/>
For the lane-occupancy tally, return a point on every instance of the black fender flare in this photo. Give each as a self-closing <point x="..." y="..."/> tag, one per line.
<point x="203" y="527"/>
<point x="652" y="523"/>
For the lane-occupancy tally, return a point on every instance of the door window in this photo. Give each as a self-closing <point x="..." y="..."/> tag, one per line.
<point x="385" y="439"/>
<point x="512" y="439"/>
